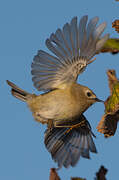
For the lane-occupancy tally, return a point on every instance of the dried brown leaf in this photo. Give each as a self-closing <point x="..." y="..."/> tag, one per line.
<point x="100" y="175"/>
<point x="115" y="25"/>
<point x="53" y="174"/>
<point x="108" y="123"/>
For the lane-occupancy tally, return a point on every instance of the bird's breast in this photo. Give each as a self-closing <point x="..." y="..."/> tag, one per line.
<point x="55" y="105"/>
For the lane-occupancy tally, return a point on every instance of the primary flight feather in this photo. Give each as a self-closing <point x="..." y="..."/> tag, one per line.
<point x="73" y="47"/>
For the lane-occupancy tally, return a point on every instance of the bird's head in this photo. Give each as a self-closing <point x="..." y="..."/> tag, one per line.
<point x="90" y="95"/>
<point x="86" y="97"/>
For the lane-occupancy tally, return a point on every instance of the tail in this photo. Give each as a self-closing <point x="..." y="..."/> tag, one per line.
<point x="66" y="148"/>
<point x="17" y="92"/>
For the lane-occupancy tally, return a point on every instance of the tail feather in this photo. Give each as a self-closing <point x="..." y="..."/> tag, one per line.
<point x="17" y="92"/>
<point x="66" y="148"/>
<point x="92" y="146"/>
<point x="85" y="148"/>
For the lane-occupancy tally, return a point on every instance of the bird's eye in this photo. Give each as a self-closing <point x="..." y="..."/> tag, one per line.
<point x="89" y="94"/>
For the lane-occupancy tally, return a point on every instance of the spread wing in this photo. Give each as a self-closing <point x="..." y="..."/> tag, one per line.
<point x="67" y="148"/>
<point x="73" y="47"/>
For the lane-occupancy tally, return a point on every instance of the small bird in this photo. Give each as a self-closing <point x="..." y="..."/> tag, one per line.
<point x="61" y="106"/>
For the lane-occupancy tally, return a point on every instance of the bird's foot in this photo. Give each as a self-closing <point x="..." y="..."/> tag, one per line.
<point x="82" y="123"/>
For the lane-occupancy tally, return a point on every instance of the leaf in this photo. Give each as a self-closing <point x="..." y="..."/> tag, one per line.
<point x="53" y="174"/>
<point x="113" y="101"/>
<point x="100" y="175"/>
<point x="115" y="25"/>
<point x="111" y="45"/>
<point x="108" y="123"/>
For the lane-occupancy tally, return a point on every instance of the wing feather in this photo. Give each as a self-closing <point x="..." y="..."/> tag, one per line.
<point x="66" y="148"/>
<point x="73" y="47"/>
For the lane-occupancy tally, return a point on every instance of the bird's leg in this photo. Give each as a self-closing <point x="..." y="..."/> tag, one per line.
<point x="82" y="123"/>
<point x="50" y="124"/>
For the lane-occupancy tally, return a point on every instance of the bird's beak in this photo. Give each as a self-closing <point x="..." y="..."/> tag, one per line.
<point x="99" y="100"/>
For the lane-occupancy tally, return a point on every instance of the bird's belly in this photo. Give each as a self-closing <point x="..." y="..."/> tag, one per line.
<point x="56" y="108"/>
<point x="58" y="112"/>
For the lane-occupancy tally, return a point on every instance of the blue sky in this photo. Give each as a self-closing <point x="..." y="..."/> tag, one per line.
<point x="24" y="26"/>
